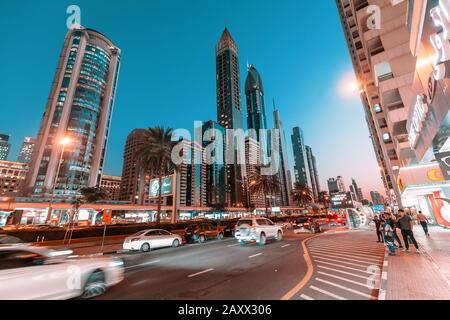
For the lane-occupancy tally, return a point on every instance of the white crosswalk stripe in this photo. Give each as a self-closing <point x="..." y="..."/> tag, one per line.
<point x="346" y="267"/>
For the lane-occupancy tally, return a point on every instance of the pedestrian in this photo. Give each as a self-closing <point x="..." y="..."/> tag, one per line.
<point x="406" y="226"/>
<point x="424" y="222"/>
<point x="389" y="239"/>
<point x="377" y="221"/>
<point x="391" y="220"/>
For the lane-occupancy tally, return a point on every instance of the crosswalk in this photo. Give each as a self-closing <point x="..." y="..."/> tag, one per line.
<point x="346" y="267"/>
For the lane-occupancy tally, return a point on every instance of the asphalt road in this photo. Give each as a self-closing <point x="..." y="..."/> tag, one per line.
<point x="216" y="270"/>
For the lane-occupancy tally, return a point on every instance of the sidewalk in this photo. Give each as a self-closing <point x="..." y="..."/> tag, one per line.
<point x="421" y="277"/>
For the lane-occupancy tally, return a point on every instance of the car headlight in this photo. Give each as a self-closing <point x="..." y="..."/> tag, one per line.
<point x="117" y="263"/>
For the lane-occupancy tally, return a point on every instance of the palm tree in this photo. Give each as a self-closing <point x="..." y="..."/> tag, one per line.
<point x="302" y="194"/>
<point x="265" y="184"/>
<point x="92" y="195"/>
<point x="154" y="158"/>
<point x="324" y="198"/>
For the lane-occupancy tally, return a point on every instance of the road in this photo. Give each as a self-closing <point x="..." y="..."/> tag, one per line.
<point x="217" y="270"/>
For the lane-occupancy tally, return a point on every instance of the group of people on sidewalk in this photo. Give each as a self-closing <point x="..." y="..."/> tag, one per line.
<point x="387" y="225"/>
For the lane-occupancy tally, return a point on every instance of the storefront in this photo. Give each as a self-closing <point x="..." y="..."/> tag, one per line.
<point x="425" y="182"/>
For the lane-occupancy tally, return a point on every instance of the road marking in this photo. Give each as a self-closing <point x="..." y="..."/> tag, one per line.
<point x="347" y="289"/>
<point x="349" y="249"/>
<point x="255" y="255"/>
<point x="352" y="252"/>
<point x="233" y="245"/>
<point x="335" y="296"/>
<point x="336" y="257"/>
<point x="143" y="264"/>
<point x="350" y="263"/>
<point x="345" y="267"/>
<point x="344" y="272"/>
<point x="384" y="275"/>
<point x="200" y="273"/>
<point x="343" y="279"/>
<point x="286" y="245"/>
<point x="305" y="297"/>
<point x="374" y="258"/>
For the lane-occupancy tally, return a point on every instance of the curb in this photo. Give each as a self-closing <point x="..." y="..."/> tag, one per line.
<point x="384" y="275"/>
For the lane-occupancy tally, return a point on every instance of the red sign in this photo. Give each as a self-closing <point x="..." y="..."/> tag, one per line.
<point x="107" y="216"/>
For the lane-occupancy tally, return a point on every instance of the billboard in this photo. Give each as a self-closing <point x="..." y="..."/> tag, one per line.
<point x="342" y="200"/>
<point x="167" y="187"/>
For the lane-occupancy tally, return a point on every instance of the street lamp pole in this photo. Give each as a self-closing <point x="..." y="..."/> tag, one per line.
<point x="64" y="142"/>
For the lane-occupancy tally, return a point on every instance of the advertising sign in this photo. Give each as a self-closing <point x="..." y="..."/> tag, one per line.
<point x="342" y="200"/>
<point x="421" y="175"/>
<point x="167" y="187"/>
<point x="443" y="159"/>
<point x="107" y="216"/>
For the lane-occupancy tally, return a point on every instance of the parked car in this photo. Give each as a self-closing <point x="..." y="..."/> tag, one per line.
<point x="202" y="232"/>
<point x="147" y="240"/>
<point x="229" y="227"/>
<point x="257" y="230"/>
<point x="7" y="239"/>
<point x="38" y="273"/>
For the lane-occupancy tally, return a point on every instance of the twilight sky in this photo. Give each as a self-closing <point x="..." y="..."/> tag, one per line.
<point x="168" y="70"/>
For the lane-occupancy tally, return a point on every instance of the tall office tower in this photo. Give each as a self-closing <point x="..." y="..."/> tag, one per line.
<point x="384" y="67"/>
<point x="79" y="110"/>
<point x="252" y="160"/>
<point x="284" y="172"/>
<point x="301" y="169"/>
<point x="229" y="113"/>
<point x="111" y="185"/>
<point x="129" y="186"/>
<point x="313" y="173"/>
<point x="4" y="146"/>
<point x="256" y="105"/>
<point x="12" y="177"/>
<point x="357" y="191"/>
<point x="377" y="198"/>
<point x="214" y="148"/>
<point x="333" y="186"/>
<point x="26" y="151"/>
<point x="191" y="175"/>
<point x="341" y="184"/>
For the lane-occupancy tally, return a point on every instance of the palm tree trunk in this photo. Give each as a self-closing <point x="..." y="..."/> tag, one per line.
<point x="158" y="214"/>
<point x="265" y="201"/>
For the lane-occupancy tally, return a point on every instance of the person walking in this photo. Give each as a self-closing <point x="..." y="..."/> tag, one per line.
<point x="406" y="226"/>
<point x="424" y="222"/>
<point x="377" y="221"/>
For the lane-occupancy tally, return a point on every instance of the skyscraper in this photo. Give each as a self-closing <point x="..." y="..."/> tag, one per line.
<point x="4" y="146"/>
<point x="341" y="184"/>
<point x="229" y="112"/>
<point x="252" y="160"/>
<point x="301" y="170"/>
<point x="313" y="173"/>
<point x="356" y="190"/>
<point x="333" y="186"/>
<point x="284" y="169"/>
<point x="26" y="151"/>
<point x="256" y="105"/>
<point x="79" y="110"/>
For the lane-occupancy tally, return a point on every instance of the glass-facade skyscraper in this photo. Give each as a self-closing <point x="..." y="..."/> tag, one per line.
<point x="256" y="105"/>
<point x="26" y="151"/>
<point x="301" y="169"/>
<point x="229" y="113"/>
<point x="313" y="173"/>
<point x="79" y="108"/>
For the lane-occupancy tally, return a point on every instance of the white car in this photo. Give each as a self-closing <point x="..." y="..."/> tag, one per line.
<point x="38" y="273"/>
<point x="147" y="240"/>
<point x="257" y="230"/>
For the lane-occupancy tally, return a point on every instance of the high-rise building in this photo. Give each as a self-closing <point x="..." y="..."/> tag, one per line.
<point x="111" y="184"/>
<point x="313" y="173"/>
<point x="5" y="146"/>
<point x="129" y="187"/>
<point x="341" y="184"/>
<point x="12" y="177"/>
<point x="377" y="198"/>
<point x="26" y="151"/>
<point x="384" y="67"/>
<point x="333" y="186"/>
<point x="229" y="112"/>
<point x="252" y="161"/>
<point x="216" y="173"/>
<point x="357" y="191"/>
<point x="284" y="172"/>
<point x="301" y="169"/>
<point x="256" y="105"/>
<point x="79" y="111"/>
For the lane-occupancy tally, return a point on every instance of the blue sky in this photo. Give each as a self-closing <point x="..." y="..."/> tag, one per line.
<point x="168" y="70"/>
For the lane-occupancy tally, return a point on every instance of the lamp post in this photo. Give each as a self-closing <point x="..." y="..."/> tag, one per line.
<point x="64" y="142"/>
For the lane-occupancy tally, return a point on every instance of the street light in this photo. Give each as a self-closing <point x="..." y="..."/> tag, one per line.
<point x="64" y="142"/>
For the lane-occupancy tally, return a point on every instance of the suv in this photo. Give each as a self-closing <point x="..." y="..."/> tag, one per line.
<point x="257" y="230"/>
<point x="202" y="232"/>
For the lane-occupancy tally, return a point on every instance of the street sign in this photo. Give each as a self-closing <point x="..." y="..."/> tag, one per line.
<point x="107" y="216"/>
<point x="167" y="187"/>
